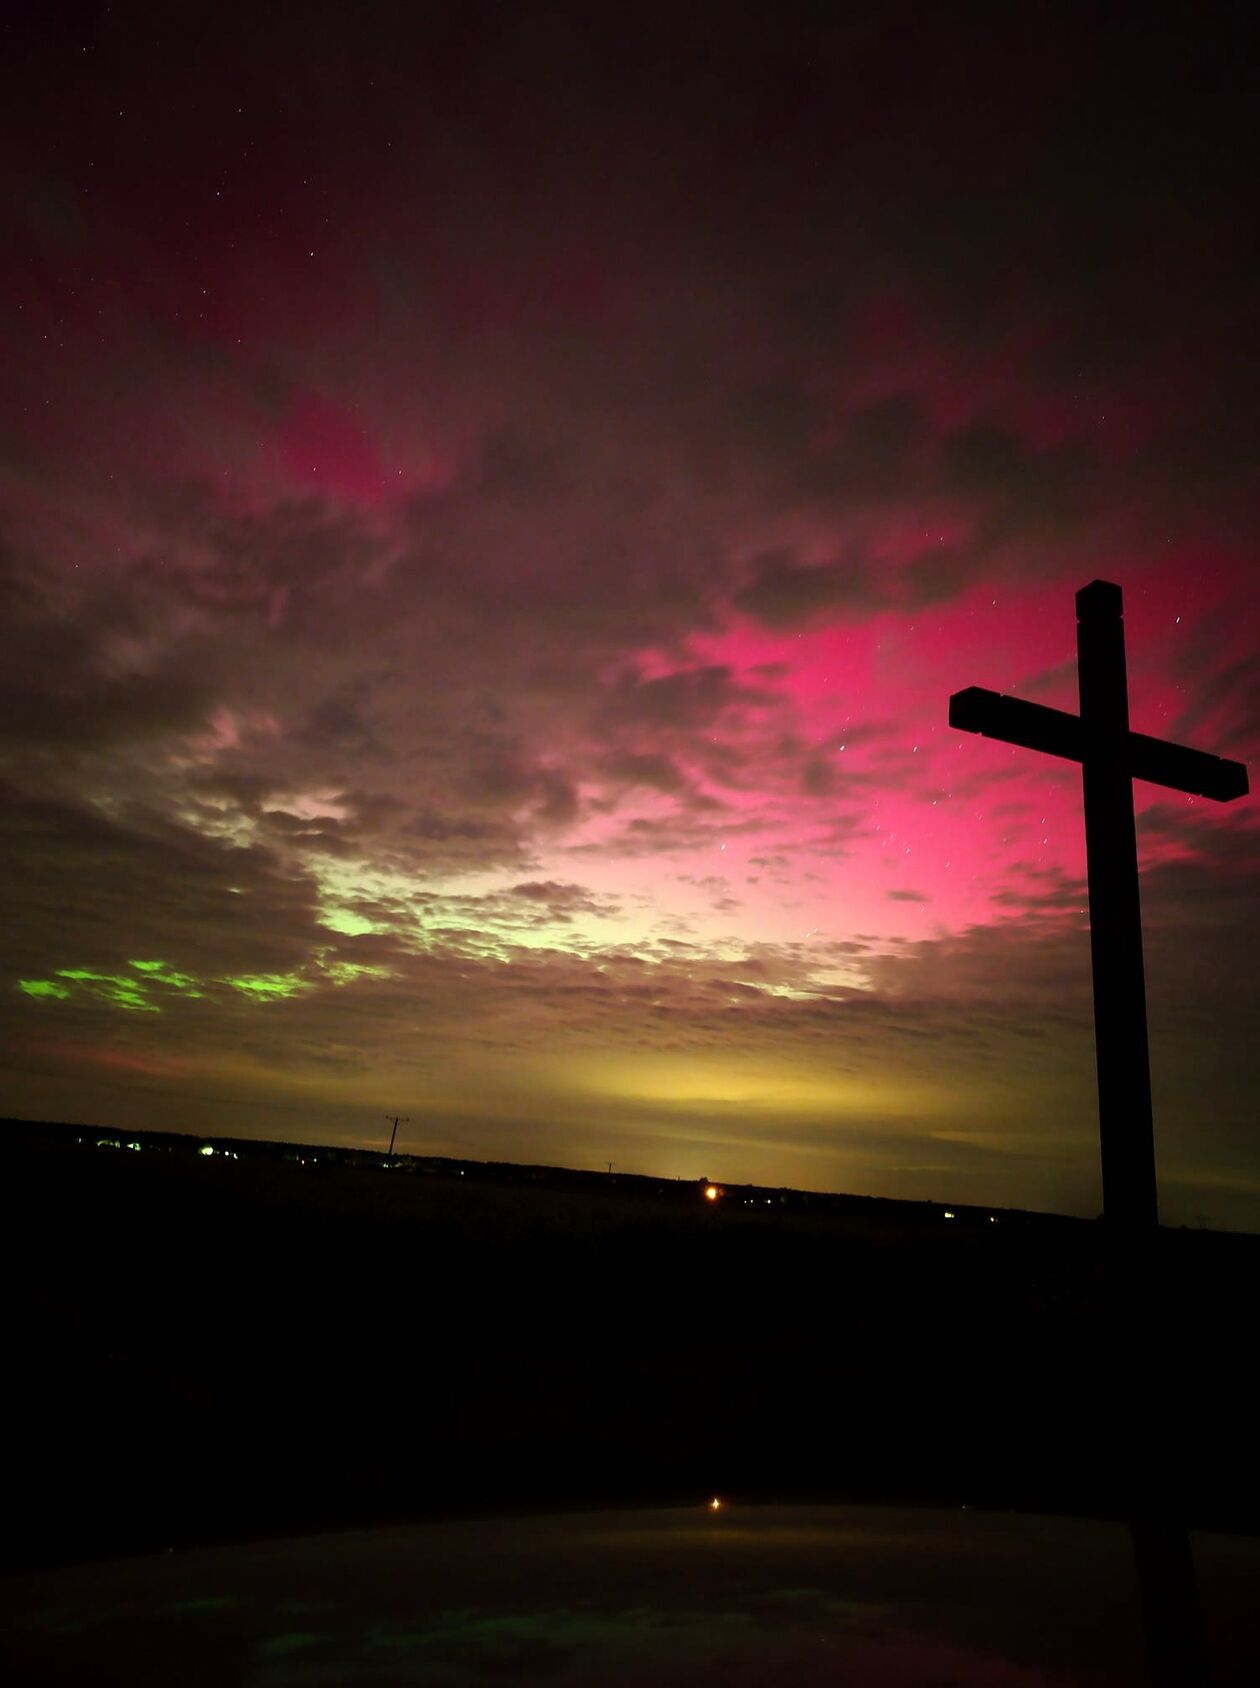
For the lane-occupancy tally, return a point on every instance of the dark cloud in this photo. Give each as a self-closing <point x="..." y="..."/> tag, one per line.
<point x="650" y="768"/>
<point x="108" y="886"/>
<point x="1227" y="700"/>
<point x="341" y="721"/>
<point x="937" y="575"/>
<point x="82" y="671"/>
<point x="783" y="591"/>
<point x="515" y="462"/>
<point x="66" y="706"/>
<point x="819" y="777"/>
<point x="557" y="898"/>
<point x="877" y="455"/>
<point x="1020" y="491"/>
<point x="689" y="699"/>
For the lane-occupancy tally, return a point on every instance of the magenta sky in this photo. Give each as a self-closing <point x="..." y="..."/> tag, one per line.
<point x="494" y="508"/>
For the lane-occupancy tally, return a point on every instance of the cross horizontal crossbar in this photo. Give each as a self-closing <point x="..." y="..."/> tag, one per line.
<point x="1032" y="725"/>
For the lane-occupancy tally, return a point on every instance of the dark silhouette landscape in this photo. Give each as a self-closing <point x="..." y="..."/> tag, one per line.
<point x="206" y="1348"/>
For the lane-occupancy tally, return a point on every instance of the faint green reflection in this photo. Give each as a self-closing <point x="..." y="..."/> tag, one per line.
<point x="293" y="1641"/>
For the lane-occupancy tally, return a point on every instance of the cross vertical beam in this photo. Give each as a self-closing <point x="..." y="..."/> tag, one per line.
<point x="1111" y="757"/>
<point x="1115" y="915"/>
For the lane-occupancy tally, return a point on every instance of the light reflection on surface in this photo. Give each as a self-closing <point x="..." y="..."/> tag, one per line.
<point x="716" y="1593"/>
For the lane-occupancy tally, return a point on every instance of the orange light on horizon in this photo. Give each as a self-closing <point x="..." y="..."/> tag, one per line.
<point x="711" y="1192"/>
<point x="714" y="1504"/>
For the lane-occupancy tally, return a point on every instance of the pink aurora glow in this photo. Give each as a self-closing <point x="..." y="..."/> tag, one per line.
<point x="550" y="545"/>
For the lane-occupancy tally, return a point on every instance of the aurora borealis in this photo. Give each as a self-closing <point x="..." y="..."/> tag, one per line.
<point x="493" y="504"/>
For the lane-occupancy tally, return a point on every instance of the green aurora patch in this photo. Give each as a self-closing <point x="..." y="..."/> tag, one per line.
<point x="266" y="987"/>
<point x="126" y="990"/>
<point x="162" y="974"/>
<point x="119" y="988"/>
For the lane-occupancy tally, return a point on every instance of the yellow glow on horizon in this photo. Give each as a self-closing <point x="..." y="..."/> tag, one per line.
<point x="756" y="1085"/>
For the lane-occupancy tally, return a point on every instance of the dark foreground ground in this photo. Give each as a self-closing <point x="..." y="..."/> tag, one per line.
<point x="202" y="1350"/>
<point x="745" y="1597"/>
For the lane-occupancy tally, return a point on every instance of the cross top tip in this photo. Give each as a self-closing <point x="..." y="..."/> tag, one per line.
<point x="1099" y="601"/>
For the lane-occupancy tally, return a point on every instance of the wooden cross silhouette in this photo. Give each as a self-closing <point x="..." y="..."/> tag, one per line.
<point x="1111" y="758"/>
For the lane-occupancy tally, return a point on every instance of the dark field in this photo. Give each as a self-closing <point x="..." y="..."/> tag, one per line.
<point x="747" y="1597"/>
<point x="203" y="1349"/>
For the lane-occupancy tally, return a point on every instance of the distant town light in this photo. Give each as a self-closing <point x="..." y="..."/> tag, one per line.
<point x="711" y="1192"/>
<point x="950" y="1215"/>
<point x="714" y="1504"/>
<point x="206" y="1149"/>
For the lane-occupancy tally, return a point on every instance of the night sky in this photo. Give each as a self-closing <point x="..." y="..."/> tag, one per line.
<point x="494" y="500"/>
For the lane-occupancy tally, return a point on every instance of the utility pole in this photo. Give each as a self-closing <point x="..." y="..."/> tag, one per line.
<point x="399" y="1119"/>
